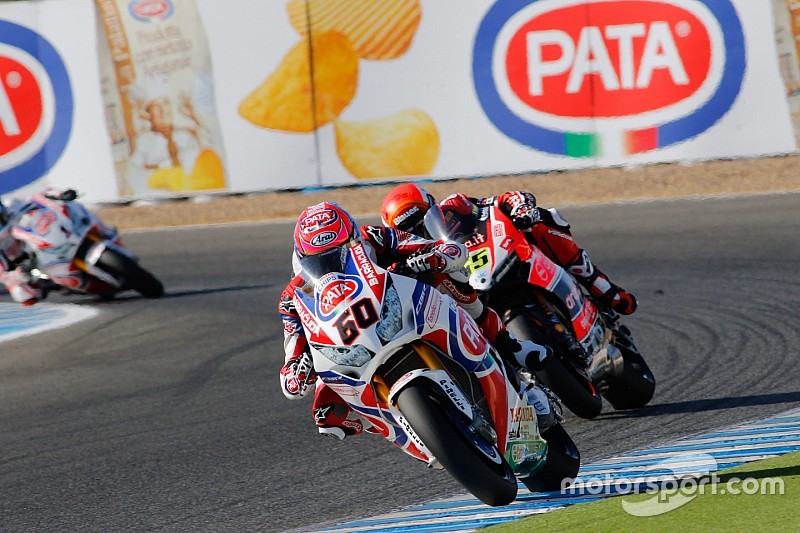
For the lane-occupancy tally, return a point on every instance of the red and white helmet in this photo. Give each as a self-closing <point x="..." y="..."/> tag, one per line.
<point x="405" y="206"/>
<point x="323" y="227"/>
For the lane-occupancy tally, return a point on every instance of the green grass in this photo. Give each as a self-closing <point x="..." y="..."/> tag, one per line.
<point x="706" y="512"/>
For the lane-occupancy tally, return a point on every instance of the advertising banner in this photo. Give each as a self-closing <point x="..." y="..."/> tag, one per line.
<point x="198" y="96"/>
<point x="787" y="39"/>
<point x="158" y="90"/>
<point x="51" y="126"/>
<point x="510" y="86"/>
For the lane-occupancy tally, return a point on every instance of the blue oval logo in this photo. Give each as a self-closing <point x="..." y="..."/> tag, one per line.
<point x="36" y="106"/>
<point x="586" y="79"/>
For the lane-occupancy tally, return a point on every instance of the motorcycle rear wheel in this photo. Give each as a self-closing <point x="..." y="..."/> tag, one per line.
<point x="492" y="483"/>
<point x="136" y="277"/>
<point x="635" y="387"/>
<point x="563" y="462"/>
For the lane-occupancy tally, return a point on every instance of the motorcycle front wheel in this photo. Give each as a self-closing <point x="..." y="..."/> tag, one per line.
<point x="135" y="277"/>
<point x="492" y="483"/>
<point x="562" y="464"/>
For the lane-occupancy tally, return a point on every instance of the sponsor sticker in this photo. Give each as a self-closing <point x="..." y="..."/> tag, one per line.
<point x="338" y="289"/>
<point x="318" y="219"/>
<point x="151" y="10"/>
<point x="585" y="78"/>
<point x="472" y="339"/>
<point x="321" y="239"/>
<point x="36" y="106"/>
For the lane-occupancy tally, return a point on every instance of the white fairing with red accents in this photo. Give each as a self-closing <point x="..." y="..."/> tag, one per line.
<point x="54" y="230"/>
<point x="355" y="319"/>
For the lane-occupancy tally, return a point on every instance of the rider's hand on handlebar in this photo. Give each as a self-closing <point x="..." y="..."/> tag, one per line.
<point x="524" y="216"/>
<point x="433" y="261"/>
<point x="298" y="376"/>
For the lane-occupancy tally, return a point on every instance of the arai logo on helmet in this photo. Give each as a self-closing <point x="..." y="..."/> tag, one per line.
<point x="334" y="291"/>
<point x="607" y="77"/>
<point x="35" y="106"/>
<point x="149" y="10"/>
<point x="321" y="239"/>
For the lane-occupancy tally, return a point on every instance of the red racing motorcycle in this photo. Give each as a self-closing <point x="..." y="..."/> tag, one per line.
<point x="539" y="300"/>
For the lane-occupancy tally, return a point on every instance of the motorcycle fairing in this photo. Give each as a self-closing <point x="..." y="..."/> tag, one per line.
<point x="67" y="241"/>
<point x="493" y="247"/>
<point x="345" y="342"/>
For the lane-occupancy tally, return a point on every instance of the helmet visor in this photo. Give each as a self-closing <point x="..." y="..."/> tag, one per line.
<point x="332" y="260"/>
<point x="411" y="221"/>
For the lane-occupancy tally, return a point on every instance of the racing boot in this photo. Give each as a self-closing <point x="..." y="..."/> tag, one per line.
<point x="545" y="402"/>
<point x="597" y="283"/>
<point x="333" y="416"/>
<point x="522" y="352"/>
<point x="517" y="352"/>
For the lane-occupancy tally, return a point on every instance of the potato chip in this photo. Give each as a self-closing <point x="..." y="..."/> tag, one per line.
<point x="171" y="179"/>
<point x="208" y="173"/>
<point x="379" y="29"/>
<point x="403" y="144"/>
<point x="283" y="101"/>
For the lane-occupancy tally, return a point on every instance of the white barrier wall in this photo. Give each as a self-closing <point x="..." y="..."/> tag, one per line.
<point x="51" y="115"/>
<point x="433" y="88"/>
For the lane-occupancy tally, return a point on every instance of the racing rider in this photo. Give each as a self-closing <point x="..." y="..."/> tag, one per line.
<point x="321" y="232"/>
<point x="13" y="275"/>
<point x="405" y="206"/>
<point x="12" y="252"/>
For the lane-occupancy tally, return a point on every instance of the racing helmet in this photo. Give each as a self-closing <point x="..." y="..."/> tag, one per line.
<point x="405" y="206"/>
<point x="321" y="237"/>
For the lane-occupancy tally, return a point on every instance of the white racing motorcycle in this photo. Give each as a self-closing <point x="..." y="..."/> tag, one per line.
<point x="416" y="368"/>
<point x="70" y="249"/>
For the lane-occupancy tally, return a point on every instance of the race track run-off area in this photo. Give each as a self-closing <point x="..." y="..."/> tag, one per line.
<point x="166" y="414"/>
<point x="664" y="467"/>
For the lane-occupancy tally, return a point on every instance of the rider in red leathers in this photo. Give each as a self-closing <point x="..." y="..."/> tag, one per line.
<point x="324" y="229"/>
<point x="405" y="206"/>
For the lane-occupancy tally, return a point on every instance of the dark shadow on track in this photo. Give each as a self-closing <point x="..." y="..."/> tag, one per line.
<point x="128" y="296"/>
<point x="699" y="406"/>
<point x="761" y="473"/>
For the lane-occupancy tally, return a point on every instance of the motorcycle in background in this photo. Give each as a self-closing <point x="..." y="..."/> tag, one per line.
<point x="539" y="300"/>
<point x="416" y="368"/>
<point x="70" y="249"/>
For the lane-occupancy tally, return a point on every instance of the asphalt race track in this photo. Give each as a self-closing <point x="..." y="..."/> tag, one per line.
<point x="166" y="415"/>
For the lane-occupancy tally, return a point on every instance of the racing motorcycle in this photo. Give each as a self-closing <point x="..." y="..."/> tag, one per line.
<point x="539" y="300"/>
<point x="70" y="250"/>
<point x="416" y="368"/>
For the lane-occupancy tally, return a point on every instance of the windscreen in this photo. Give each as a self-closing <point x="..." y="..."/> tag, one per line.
<point x="317" y="265"/>
<point x="449" y="225"/>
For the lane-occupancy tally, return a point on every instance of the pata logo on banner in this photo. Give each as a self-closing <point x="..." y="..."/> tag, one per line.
<point x="35" y="106"/>
<point x="607" y="77"/>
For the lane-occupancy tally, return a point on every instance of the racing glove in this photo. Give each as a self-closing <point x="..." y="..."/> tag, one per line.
<point x="523" y="216"/>
<point x="298" y="377"/>
<point x="444" y="257"/>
